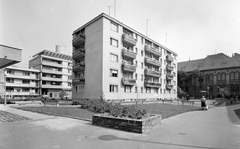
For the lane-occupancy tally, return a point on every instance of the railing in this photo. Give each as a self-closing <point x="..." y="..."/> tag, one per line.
<point x="169" y="76"/>
<point x="169" y="58"/>
<point x="20" y="85"/>
<point x="128" y="81"/>
<point x="52" y="79"/>
<point x="52" y="86"/>
<point x="153" y="61"/>
<point x="153" y="50"/>
<point x="78" y="80"/>
<point x="21" y="76"/>
<point x="51" y="71"/>
<point x="129" y="53"/>
<point x="79" y="39"/>
<point x="78" y="53"/>
<point x="152" y="73"/>
<point x="169" y="86"/>
<point x="78" y="67"/>
<point x="169" y="67"/>
<point x="51" y="64"/>
<point x="152" y="84"/>
<point x="129" y="40"/>
<point x="128" y="67"/>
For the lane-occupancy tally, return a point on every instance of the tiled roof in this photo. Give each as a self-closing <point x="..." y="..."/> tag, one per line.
<point x="216" y="61"/>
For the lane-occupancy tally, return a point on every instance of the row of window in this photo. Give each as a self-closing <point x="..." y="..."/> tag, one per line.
<point x="222" y="76"/>
<point x="128" y="89"/>
<point x="114" y="42"/>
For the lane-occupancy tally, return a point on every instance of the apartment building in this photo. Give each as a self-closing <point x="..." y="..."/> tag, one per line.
<point x="114" y="61"/>
<point x="218" y="71"/>
<point x="55" y="72"/>
<point x="21" y="83"/>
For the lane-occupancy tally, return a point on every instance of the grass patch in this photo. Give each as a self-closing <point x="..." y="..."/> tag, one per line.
<point x="237" y="112"/>
<point x="165" y="110"/>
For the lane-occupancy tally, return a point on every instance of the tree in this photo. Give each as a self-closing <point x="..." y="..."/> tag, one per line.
<point x="62" y="94"/>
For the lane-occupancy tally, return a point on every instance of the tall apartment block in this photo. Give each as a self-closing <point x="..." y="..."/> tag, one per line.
<point x="112" y="60"/>
<point x="21" y="83"/>
<point x="55" y="72"/>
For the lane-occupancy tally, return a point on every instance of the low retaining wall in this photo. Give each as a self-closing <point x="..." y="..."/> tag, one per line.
<point x="131" y="125"/>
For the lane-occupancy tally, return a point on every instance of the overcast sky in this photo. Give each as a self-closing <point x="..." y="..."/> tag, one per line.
<point x="194" y="28"/>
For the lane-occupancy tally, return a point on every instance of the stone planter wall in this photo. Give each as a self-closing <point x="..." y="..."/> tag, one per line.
<point x="131" y="125"/>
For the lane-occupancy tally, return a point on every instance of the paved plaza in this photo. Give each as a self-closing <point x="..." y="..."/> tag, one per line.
<point x="217" y="128"/>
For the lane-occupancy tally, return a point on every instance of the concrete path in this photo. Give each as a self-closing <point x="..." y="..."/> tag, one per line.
<point x="217" y="128"/>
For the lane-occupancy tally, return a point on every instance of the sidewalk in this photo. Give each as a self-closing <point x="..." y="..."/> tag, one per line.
<point x="217" y="128"/>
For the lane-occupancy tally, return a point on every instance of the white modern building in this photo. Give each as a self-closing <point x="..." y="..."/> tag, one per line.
<point x="113" y="60"/>
<point x="21" y="83"/>
<point x="55" y="72"/>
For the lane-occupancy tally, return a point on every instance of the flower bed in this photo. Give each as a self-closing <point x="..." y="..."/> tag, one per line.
<point x="126" y="124"/>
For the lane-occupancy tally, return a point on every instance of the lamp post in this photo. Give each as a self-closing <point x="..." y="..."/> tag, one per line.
<point x="208" y="91"/>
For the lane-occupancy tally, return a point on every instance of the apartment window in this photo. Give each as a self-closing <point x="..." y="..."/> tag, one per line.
<point x="141" y="52"/>
<point x="81" y="88"/>
<point x="127" y="89"/>
<point x="136" y="50"/>
<point x="113" y="57"/>
<point x="141" y="89"/>
<point x="113" y="73"/>
<point x="76" y="88"/>
<point x="148" y="90"/>
<point x="25" y="81"/>
<point x="136" y="63"/>
<point x="114" y="42"/>
<point x="114" y="27"/>
<point x="136" y="76"/>
<point x="136" y="90"/>
<point x="142" y="65"/>
<point x="10" y="72"/>
<point x="69" y="84"/>
<point x="10" y="80"/>
<point x="155" y="90"/>
<point x="26" y="73"/>
<point x="113" y="88"/>
<point x="160" y="91"/>
<point x="236" y="87"/>
<point x="141" y="77"/>
<point x="142" y="39"/>
<point x="69" y="70"/>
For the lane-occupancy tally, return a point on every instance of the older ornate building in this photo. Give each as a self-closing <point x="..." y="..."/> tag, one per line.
<point x="218" y="71"/>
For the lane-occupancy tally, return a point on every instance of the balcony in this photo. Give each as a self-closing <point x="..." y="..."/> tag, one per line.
<point x="153" y="62"/>
<point x="78" y="40"/>
<point x="152" y="50"/>
<point x="169" y="76"/>
<point x="78" y="67"/>
<point x="20" y="76"/>
<point x="78" y="81"/>
<point x="52" y="79"/>
<point x="21" y="93"/>
<point x="128" y="53"/>
<point x="128" y="67"/>
<point x="169" y="67"/>
<point x="128" y="81"/>
<point x="21" y="85"/>
<point x="48" y="63"/>
<point x="169" y="86"/>
<point x="169" y="58"/>
<point x="152" y="73"/>
<point x="78" y="53"/>
<point x="152" y="84"/>
<point x="49" y="71"/>
<point x="52" y="86"/>
<point x="129" y="40"/>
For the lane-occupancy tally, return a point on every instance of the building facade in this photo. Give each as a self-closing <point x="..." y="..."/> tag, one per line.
<point x="113" y="61"/>
<point x="55" y="73"/>
<point x="22" y="83"/>
<point x="219" y="71"/>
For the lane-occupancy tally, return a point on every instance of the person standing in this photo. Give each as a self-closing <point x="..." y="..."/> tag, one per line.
<point x="204" y="103"/>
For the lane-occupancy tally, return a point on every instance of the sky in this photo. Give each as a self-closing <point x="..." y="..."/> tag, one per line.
<point x="191" y="28"/>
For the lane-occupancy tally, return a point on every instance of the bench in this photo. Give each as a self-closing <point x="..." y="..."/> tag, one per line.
<point x="167" y="100"/>
<point x="50" y="102"/>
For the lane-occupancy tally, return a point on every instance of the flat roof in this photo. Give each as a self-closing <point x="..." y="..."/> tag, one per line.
<point x="123" y="25"/>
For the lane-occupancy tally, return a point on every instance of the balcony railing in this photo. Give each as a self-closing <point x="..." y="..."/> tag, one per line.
<point x="20" y="85"/>
<point x="152" y="73"/>
<point x="78" y="81"/>
<point x="169" y="67"/>
<point x="21" y="93"/>
<point x="51" y="71"/>
<point x="78" y="40"/>
<point x="152" y="50"/>
<point x="128" y="53"/>
<point x="52" y="86"/>
<point x="169" y="86"/>
<point x="78" y="53"/>
<point x="153" y="62"/>
<point x="128" y="67"/>
<point x="128" y="81"/>
<point x="52" y="79"/>
<point x="51" y="64"/>
<point x="78" y="67"/>
<point x="129" y="40"/>
<point x="169" y="58"/>
<point x="20" y="76"/>
<point x="152" y="84"/>
<point x="169" y="76"/>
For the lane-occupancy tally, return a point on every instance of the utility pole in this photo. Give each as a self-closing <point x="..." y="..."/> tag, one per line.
<point x="147" y="27"/>
<point x="115" y="9"/>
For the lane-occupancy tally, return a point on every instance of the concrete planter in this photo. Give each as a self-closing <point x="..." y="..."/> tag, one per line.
<point x="131" y="125"/>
